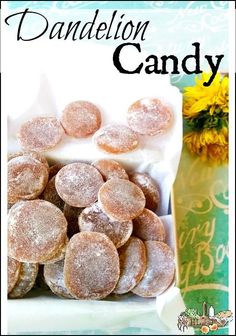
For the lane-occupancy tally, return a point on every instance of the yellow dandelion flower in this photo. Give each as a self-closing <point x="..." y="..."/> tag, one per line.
<point x="200" y="98"/>
<point x="209" y="144"/>
<point x="206" y="114"/>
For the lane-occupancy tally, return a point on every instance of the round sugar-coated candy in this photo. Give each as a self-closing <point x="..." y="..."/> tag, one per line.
<point x="116" y="139"/>
<point x="40" y="134"/>
<point x="78" y="184"/>
<point x="50" y="194"/>
<point x="13" y="271"/>
<point x="54" y="278"/>
<point x="149" y="188"/>
<point x="27" y="178"/>
<point x="148" y="226"/>
<point x="36" y="231"/>
<point x="160" y="270"/>
<point x="81" y="119"/>
<point x="132" y="265"/>
<point x="35" y="155"/>
<point x="110" y="169"/>
<point x="26" y="280"/>
<point x="149" y="116"/>
<point x="94" y="219"/>
<point x="91" y="269"/>
<point x="121" y="199"/>
<point x="72" y="216"/>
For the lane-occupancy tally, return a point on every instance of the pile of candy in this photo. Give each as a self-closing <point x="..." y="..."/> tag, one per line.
<point x="91" y="226"/>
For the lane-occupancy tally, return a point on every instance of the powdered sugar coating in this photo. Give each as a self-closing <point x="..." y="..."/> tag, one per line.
<point x="160" y="270"/>
<point x="132" y="265"/>
<point x="26" y="280"/>
<point x="35" y="155"/>
<point x="50" y="194"/>
<point x="91" y="269"/>
<point x="72" y="216"/>
<point x="94" y="219"/>
<point x="81" y="119"/>
<point x="54" y="278"/>
<point x="36" y="231"/>
<point x="27" y="178"/>
<point x="116" y="139"/>
<point x="13" y="271"/>
<point x="149" y="188"/>
<point x="148" y="226"/>
<point x="148" y="116"/>
<point x="121" y="199"/>
<point x="110" y="169"/>
<point x="59" y="255"/>
<point x="40" y="134"/>
<point x="78" y="184"/>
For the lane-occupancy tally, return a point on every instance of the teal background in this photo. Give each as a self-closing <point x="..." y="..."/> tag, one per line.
<point x="120" y="4"/>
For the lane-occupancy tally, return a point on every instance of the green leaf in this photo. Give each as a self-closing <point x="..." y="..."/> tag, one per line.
<point x="205" y="120"/>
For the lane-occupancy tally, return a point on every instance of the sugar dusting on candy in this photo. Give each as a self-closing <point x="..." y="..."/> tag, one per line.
<point x="149" y="188"/>
<point x="148" y="116"/>
<point x="160" y="270"/>
<point x="148" y="226"/>
<point x="94" y="219"/>
<point x="36" y="230"/>
<point x="13" y="271"/>
<point x="121" y="199"/>
<point x="27" y="178"/>
<point x="59" y="255"/>
<point x="40" y="134"/>
<point x="81" y="119"/>
<point x="132" y="265"/>
<point x="54" y="278"/>
<point x="116" y="139"/>
<point x="78" y="184"/>
<point x="26" y="280"/>
<point x="91" y="268"/>
<point x="110" y="169"/>
<point x="35" y="155"/>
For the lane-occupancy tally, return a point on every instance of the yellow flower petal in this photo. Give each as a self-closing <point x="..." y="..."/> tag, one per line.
<point x="199" y="97"/>
<point x="199" y="105"/>
<point x="209" y="145"/>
